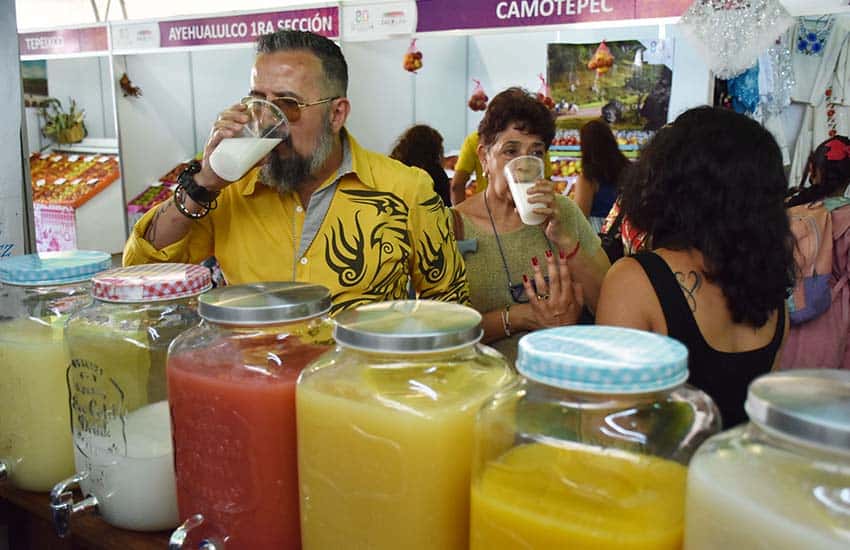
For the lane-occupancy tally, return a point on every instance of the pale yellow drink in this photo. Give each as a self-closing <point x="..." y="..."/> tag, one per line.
<point x="577" y="497"/>
<point x="384" y="455"/>
<point x="765" y="498"/>
<point x="35" y="432"/>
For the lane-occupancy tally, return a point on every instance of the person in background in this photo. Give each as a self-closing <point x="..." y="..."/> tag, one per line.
<point x="320" y="209"/>
<point x="469" y="163"/>
<point x="709" y="191"/>
<point x="822" y="341"/>
<point x="601" y="166"/>
<point x="509" y="268"/>
<point x="422" y="147"/>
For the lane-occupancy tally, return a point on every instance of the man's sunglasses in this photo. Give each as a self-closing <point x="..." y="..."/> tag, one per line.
<point x="290" y="106"/>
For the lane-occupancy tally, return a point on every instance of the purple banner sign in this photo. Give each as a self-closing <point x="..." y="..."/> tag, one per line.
<point x="246" y="28"/>
<point x="444" y="15"/>
<point x="63" y="41"/>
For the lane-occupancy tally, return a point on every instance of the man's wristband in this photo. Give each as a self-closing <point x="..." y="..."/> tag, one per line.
<point x="197" y="193"/>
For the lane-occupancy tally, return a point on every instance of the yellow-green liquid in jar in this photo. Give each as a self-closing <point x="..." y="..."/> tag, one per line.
<point x="35" y="433"/>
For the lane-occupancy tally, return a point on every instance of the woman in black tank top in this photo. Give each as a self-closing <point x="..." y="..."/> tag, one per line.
<point x="709" y="189"/>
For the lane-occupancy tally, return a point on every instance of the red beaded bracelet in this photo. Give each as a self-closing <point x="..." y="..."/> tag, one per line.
<point x="572" y="254"/>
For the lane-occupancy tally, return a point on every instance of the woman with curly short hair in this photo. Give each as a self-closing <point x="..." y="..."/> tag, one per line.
<point x="525" y="277"/>
<point x="709" y="191"/>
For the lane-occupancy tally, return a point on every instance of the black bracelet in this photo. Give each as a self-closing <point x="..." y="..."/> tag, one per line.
<point x="180" y="203"/>
<point x="200" y="195"/>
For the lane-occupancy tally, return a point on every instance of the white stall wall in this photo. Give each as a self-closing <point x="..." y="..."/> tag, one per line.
<point x="219" y="78"/>
<point x="86" y="80"/>
<point x="13" y="218"/>
<point x="380" y="91"/>
<point x="441" y="87"/>
<point x="157" y="129"/>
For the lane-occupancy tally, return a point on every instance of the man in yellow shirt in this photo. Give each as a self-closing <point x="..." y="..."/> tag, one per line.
<point x="468" y="162"/>
<point x="321" y="209"/>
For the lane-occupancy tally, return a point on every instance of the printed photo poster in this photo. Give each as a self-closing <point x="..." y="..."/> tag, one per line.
<point x="34" y="77"/>
<point x="626" y="83"/>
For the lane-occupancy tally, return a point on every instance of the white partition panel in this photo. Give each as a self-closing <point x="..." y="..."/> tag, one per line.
<point x="157" y="129"/>
<point x="219" y="78"/>
<point x="441" y="87"/>
<point x="86" y="80"/>
<point x="381" y="92"/>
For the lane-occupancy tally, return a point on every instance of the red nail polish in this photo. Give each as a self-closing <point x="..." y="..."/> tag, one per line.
<point x="561" y="253"/>
<point x="548" y="253"/>
<point x="524" y="278"/>
<point x="534" y="261"/>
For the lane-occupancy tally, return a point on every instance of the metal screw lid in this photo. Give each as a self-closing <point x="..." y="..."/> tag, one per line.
<point x="812" y="405"/>
<point x="264" y="303"/>
<point x="408" y="326"/>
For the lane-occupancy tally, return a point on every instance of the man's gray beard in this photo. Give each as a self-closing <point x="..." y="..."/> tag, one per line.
<point x="287" y="174"/>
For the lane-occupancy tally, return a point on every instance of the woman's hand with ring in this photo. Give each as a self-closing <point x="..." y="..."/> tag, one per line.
<point x="558" y="302"/>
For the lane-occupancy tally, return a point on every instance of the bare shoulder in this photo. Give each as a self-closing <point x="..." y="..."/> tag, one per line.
<point x="627" y="297"/>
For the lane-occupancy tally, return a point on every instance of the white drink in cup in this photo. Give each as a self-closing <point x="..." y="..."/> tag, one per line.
<point x="266" y="128"/>
<point x="522" y="173"/>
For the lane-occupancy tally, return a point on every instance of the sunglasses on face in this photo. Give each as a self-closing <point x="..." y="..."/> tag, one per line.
<point x="290" y="106"/>
<point x="518" y="293"/>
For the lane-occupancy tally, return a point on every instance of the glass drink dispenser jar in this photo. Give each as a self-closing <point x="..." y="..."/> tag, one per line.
<point x="385" y="427"/>
<point x="231" y="386"/>
<point x="783" y="480"/>
<point x="38" y="293"/>
<point x="119" y="410"/>
<point x="590" y="449"/>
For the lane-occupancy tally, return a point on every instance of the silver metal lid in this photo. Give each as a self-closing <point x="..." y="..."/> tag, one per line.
<point x="410" y="326"/>
<point x="809" y="405"/>
<point x="264" y="303"/>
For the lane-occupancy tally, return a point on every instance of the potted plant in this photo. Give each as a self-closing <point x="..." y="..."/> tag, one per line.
<point x="61" y="126"/>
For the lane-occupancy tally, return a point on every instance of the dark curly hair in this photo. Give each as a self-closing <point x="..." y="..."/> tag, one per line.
<point x="601" y="159"/>
<point x="824" y="177"/>
<point x="713" y="181"/>
<point x="420" y="146"/>
<point x="516" y="106"/>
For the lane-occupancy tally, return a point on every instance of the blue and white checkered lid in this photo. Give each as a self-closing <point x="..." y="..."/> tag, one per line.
<point x="53" y="268"/>
<point x="600" y="359"/>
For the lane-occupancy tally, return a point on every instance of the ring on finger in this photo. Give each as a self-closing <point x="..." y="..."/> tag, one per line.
<point x="543" y="296"/>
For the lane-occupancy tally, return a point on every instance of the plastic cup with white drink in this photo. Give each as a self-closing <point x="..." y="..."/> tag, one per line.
<point x="522" y="173"/>
<point x="267" y="126"/>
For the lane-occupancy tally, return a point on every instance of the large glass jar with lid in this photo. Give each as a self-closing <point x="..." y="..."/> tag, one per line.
<point x="589" y="450"/>
<point x="38" y="293"/>
<point x="119" y="409"/>
<point x="231" y="387"/>
<point x="385" y="427"/>
<point x="782" y="481"/>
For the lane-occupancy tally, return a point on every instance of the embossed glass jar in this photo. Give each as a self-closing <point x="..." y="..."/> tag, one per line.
<point x="116" y="380"/>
